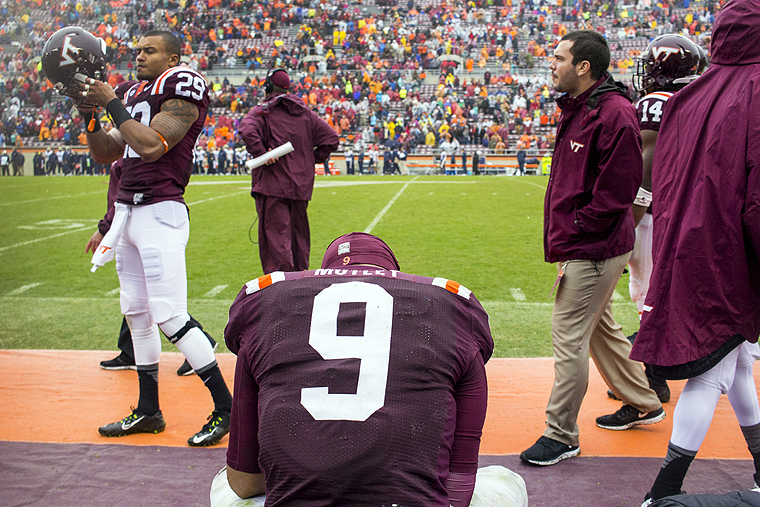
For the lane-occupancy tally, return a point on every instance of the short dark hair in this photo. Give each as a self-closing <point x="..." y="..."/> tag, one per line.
<point x="171" y="41"/>
<point x="589" y="45"/>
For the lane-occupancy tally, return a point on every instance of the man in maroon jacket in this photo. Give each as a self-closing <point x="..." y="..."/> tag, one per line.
<point x="701" y="316"/>
<point x="589" y="232"/>
<point x="282" y="187"/>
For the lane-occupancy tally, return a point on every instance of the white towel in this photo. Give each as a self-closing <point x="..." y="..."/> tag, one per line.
<point x="107" y="248"/>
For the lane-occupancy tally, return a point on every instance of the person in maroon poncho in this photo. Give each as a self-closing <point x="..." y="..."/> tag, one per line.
<point x="701" y="317"/>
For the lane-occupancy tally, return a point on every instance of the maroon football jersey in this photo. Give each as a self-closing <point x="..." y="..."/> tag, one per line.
<point x="346" y="385"/>
<point x="650" y="110"/>
<point x="165" y="179"/>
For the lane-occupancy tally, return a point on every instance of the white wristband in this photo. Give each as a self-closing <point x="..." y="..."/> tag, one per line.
<point x="643" y="198"/>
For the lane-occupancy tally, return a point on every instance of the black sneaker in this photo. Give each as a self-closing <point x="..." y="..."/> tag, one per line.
<point x="547" y="451"/>
<point x="212" y="432"/>
<point x="134" y="423"/>
<point x="117" y="363"/>
<point x="186" y="369"/>
<point x="612" y="396"/>
<point x="628" y="417"/>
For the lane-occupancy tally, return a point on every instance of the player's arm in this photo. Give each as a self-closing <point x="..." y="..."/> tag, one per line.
<point x="471" y="399"/>
<point x="105" y="147"/>
<point x="644" y="196"/>
<point x="243" y="447"/>
<point x="166" y="129"/>
<point x="245" y="485"/>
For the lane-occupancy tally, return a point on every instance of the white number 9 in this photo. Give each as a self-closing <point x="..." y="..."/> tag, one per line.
<point x="373" y="349"/>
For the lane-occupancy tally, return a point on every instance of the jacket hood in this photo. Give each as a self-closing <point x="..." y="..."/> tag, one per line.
<point x="609" y="85"/>
<point x="736" y="34"/>
<point x="291" y="103"/>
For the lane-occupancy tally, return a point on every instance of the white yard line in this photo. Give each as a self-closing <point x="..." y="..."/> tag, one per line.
<point x="50" y="198"/>
<point x="220" y="182"/>
<point x="522" y="180"/>
<point x="218" y="197"/>
<point x="215" y="291"/>
<point x="112" y="293"/>
<point x="23" y="289"/>
<point x="387" y="207"/>
<point x="24" y="243"/>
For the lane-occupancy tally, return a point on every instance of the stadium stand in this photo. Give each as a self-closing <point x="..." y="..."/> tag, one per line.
<point x="404" y="75"/>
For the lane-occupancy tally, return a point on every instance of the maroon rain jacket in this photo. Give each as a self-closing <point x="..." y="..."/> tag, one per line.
<point x="705" y="287"/>
<point x="282" y="118"/>
<point x="596" y="172"/>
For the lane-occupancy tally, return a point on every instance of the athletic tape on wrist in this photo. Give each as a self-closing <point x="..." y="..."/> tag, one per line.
<point x="118" y="112"/>
<point x="643" y="197"/>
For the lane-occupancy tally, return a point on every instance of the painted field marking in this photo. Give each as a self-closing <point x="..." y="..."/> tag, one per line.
<point x="518" y="294"/>
<point x="112" y="293"/>
<point x="50" y="198"/>
<point x="56" y="224"/>
<point x="617" y="297"/>
<point x="387" y="207"/>
<point x="24" y="288"/>
<point x="215" y="291"/>
<point x="521" y="180"/>
<point x="218" y="197"/>
<point x="24" y="243"/>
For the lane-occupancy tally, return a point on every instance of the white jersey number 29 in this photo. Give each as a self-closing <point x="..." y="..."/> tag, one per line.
<point x="190" y="80"/>
<point x="373" y="349"/>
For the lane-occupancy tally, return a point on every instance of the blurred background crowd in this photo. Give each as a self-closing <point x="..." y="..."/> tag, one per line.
<point x="417" y="76"/>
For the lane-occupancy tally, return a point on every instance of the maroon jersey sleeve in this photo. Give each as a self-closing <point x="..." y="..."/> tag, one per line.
<point x="166" y="178"/>
<point x="360" y="390"/>
<point x="104" y="225"/>
<point x="650" y="110"/>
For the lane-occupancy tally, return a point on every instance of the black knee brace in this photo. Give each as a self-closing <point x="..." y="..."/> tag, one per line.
<point x="182" y="332"/>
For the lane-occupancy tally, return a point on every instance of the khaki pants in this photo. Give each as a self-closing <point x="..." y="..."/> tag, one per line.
<point x="581" y="322"/>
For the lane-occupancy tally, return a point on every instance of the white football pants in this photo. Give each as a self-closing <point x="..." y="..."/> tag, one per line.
<point x="640" y="263"/>
<point x="150" y="261"/>
<point x="495" y="486"/>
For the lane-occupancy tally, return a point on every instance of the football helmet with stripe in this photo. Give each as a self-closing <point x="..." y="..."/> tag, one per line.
<point x="670" y="62"/>
<point x="70" y="55"/>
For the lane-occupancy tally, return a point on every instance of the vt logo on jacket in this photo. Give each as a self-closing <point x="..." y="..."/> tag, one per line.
<point x="575" y="146"/>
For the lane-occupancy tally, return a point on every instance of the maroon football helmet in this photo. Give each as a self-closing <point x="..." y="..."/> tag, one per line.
<point x="704" y="60"/>
<point x="72" y="54"/>
<point x="670" y="62"/>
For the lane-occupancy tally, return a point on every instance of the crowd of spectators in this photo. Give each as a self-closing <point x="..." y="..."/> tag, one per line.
<point x="369" y="69"/>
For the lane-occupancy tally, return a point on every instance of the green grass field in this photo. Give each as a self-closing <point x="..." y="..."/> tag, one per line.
<point x="484" y="232"/>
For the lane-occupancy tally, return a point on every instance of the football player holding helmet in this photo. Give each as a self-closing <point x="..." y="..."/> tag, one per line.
<point x="70" y="55"/>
